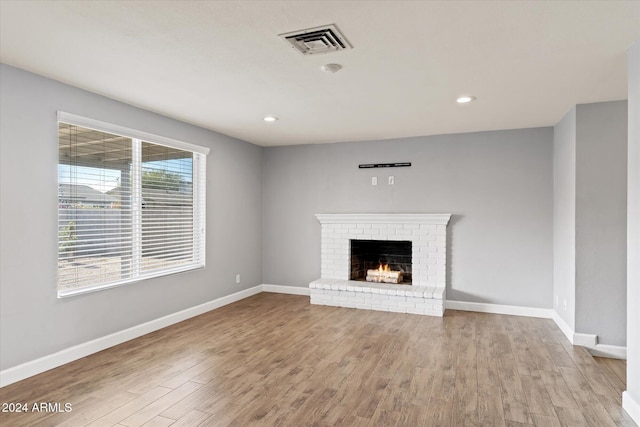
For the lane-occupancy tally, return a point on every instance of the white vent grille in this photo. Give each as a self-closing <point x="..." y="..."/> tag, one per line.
<point x="314" y="41"/>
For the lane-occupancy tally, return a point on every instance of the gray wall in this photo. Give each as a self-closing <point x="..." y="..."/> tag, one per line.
<point x="33" y="322"/>
<point x="498" y="186"/>
<point x="564" y="217"/>
<point x="590" y="154"/>
<point x="601" y="216"/>
<point x="633" y="230"/>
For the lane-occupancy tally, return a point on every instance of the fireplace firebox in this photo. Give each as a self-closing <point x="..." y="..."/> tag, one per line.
<point x="381" y="261"/>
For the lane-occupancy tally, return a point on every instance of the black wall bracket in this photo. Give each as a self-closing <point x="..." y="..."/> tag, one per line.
<point x="384" y="165"/>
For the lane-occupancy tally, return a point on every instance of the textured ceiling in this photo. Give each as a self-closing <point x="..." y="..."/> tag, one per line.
<point x="221" y="64"/>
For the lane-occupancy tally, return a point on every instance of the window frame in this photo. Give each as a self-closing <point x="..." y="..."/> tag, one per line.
<point x="198" y="192"/>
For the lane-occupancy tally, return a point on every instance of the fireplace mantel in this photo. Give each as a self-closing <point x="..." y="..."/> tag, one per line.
<point x="434" y="219"/>
<point x="428" y="236"/>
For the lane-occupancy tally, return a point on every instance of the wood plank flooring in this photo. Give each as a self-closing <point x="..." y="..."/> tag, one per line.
<point x="276" y="360"/>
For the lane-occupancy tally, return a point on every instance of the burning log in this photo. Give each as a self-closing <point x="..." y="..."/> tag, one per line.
<point x="383" y="275"/>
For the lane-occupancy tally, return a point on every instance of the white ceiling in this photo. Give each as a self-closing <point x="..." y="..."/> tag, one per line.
<point x="221" y="64"/>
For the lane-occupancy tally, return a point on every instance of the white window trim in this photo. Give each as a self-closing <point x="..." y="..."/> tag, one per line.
<point x="76" y="120"/>
<point x="198" y="167"/>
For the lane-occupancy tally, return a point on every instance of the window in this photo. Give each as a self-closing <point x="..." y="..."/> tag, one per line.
<point x="130" y="205"/>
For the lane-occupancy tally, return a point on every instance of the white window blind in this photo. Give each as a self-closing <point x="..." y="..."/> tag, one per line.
<point x="130" y="205"/>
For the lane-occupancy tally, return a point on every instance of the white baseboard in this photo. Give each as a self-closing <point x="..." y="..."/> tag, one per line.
<point x="279" y="289"/>
<point x="563" y="325"/>
<point x="513" y="310"/>
<point x="611" y="351"/>
<point x="631" y="406"/>
<point x="37" y="366"/>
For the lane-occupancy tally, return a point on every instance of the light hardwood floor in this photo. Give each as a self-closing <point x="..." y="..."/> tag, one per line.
<point x="275" y="359"/>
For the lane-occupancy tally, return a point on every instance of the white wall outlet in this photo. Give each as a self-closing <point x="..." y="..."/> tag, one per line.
<point x="237" y="279"/>
<point x="564" y="304"/>
<point x="374" y="180"/>
<point x="557" y="300"/>
<point x="392" y="180"/>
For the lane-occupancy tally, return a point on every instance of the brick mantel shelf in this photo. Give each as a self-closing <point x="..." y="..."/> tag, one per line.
<point x="434" y="219"/>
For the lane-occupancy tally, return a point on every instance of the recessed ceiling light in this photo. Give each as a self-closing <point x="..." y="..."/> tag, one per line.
<point x="270" y="119"/>
<point x="465" y="99"/>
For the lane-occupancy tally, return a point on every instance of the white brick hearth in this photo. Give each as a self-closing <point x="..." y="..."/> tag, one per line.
<point x="378" y="296"/>
<point x="428" y="236"/>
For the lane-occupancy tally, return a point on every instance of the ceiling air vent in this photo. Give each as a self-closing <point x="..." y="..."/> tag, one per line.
<point x="313" y="41"/>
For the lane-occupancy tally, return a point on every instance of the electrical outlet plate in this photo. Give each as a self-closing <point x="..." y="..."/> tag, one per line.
<point x="392" y="180"/>
<point x="374" y="180"/>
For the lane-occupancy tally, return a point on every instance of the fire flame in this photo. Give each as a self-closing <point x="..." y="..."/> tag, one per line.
<point x="384" y="267"/>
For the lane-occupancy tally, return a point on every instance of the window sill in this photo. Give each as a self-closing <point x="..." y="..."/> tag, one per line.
<point x="89" y="289"/>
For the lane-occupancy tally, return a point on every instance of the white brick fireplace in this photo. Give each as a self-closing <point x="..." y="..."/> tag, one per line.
<point x="428" y="236"/>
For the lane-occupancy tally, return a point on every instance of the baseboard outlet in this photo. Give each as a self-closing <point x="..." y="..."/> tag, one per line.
<point x="631" y="406"/>
<point x="585" y="340"/>
<point x="589" y="341"/>
<point x="611" y="351"/>
<point x="42" y="364"/>
<point x="279" y="289"/>
<point x="513" y="310"/>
